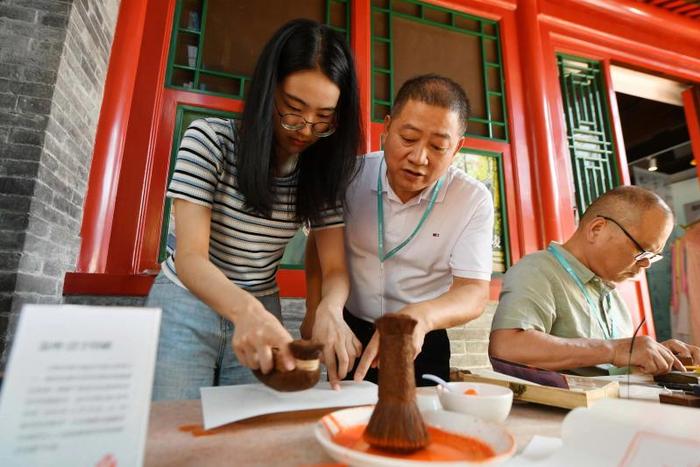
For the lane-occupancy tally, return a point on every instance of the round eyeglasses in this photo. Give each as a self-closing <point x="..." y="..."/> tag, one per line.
<point x="295" y="122"/>
<point x="645" y="254"/>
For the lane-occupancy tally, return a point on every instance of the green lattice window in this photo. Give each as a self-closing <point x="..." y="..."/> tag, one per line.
<point x="587" y="128"/>
<point x="215" y="44"/>
<point x="411" y="37"/>
<point x="487" y="167"/>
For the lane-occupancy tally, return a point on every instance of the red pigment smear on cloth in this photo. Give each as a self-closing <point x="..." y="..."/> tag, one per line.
<point x="198" y="430"/>
<point x="443" y="447"/>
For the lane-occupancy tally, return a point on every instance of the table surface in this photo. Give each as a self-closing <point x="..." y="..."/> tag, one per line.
<point x="176" y="438"/>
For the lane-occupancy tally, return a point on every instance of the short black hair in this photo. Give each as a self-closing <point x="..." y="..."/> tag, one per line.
<point x="326" y="168"/>
<point x="433" y="89"/>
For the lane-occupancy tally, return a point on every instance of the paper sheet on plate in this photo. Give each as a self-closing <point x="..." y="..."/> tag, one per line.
<point x="227" y="404"/>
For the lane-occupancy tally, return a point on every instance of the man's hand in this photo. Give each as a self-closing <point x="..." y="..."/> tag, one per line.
<point x="652" y="357"/>
<point x="340" y="346"/>
<point x="257" y="332"/>
<point x="370" y="357"/>
<point x="682" y="349"/>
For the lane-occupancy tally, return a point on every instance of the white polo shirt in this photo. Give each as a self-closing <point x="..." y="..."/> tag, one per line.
<point x="455" y="240"/>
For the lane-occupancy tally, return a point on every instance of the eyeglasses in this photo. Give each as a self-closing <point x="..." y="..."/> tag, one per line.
<point x="295" y="122"/>
<point x="648" y="255"/>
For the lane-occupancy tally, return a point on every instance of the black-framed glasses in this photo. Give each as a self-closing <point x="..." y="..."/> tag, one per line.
<point x="645" y="254"/>
<point x="295" y="122"/>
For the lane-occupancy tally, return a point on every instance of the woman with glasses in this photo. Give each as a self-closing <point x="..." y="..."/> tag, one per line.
<point x="240" y="192"/>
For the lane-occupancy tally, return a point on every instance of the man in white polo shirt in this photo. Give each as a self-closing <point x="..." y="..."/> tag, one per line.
<point x="417" y="235"/>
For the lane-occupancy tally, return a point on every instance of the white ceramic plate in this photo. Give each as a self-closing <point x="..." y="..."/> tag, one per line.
<point x="493" y="434"/>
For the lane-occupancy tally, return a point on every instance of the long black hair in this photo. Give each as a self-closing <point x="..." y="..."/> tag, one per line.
<point x="324" y="169"/>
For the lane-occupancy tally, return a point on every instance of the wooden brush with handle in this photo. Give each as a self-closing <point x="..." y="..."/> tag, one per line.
<point x="396" y="423"/>
<point x="304" y="376"/>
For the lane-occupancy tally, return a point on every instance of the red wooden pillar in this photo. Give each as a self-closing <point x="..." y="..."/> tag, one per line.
<point x="537" y="113"/>
<point x="111" y="137"/>
<point x="114" y="217"/>
<point x="361" y="43"/>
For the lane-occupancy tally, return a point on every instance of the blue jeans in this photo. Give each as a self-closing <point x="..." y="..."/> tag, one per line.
<point x="194" y="348"/>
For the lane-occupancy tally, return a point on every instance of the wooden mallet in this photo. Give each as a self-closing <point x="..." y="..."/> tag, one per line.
<point x="306" y="374"/>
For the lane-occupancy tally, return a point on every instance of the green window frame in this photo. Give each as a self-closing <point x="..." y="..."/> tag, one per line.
<point x="501" y="242"/>
<point x="200" y="34"/>
<point x="589" y="137"/>
<point x="487" y="30"/>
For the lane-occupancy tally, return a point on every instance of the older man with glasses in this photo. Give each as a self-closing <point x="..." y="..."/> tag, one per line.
<point x="558" y="307"/>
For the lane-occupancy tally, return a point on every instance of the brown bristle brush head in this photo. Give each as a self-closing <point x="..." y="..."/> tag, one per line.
<point x="396" y="424"/>
<point x="306" y="374"/>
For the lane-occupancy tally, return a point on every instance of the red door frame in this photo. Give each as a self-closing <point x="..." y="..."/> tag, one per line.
<point x="136" y="126"/>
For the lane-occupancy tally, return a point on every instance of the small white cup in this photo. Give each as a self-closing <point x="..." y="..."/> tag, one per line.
<point x="491" y="402"/>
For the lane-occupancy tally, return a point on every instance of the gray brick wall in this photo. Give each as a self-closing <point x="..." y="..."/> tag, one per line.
<point x="469" y="343"/>
<point x="53" y="62"/>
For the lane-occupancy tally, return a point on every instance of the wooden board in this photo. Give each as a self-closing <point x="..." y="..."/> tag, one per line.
<point x="582" y="392"/>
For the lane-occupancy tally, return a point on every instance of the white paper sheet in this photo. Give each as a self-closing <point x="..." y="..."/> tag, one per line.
<point x="541" y="447"/>
<point x="227" y="404"/>
<point x="78" y="386"/>
<point x="622" y="433"/>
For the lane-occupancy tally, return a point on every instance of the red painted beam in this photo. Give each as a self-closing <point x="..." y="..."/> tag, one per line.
<point x="78" y="283"/>
<point x="674" y="5"/>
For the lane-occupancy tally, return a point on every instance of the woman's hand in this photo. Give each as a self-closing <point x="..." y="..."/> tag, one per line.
<point x="257" y="332"/>
<point x="327" y="276"/>
<point x="340" y="346"/>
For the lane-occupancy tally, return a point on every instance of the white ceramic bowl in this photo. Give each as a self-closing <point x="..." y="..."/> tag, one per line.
<point x="491" y="402"/>
<point x="495" y="435"/>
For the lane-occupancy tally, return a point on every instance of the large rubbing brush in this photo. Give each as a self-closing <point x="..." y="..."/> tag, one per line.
<point x="396" y="424"/>
<point x="306" y="373"/>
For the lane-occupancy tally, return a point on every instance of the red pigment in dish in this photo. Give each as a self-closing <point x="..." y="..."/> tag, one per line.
<point x="471" y="392"/>
<point x="443" y="447"/>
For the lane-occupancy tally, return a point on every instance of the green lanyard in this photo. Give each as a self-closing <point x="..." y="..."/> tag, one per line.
<point x="380" y="217"/>
<point x="608" y="332"/>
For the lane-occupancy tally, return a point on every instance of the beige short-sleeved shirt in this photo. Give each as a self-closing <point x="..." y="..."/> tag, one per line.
<point x="539" y="294"/>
